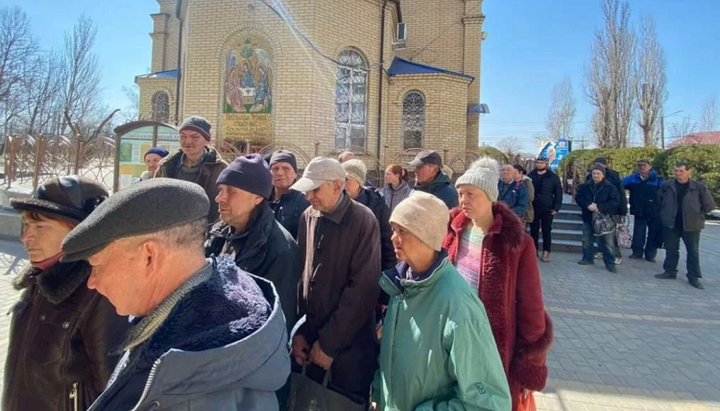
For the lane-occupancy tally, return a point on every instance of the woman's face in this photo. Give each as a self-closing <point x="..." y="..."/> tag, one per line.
<point x="407" y="246"/>
<point x="352" y="187"/>
<point x="391" y="178"/>
<point x="43" y="236"/>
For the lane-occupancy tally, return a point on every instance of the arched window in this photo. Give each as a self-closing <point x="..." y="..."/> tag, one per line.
<point x="413" y="120"/>
<point x="161" y="107"/>
<point x="351" y="100"/>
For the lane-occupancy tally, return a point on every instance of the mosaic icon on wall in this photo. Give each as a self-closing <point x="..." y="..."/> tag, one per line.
<point x="249" y="78"/>
<point x="248" y="92"/>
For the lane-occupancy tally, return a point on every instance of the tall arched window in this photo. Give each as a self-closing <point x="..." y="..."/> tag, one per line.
<point x="161" y="107"/>
<point x="351" y="100"/>
<point x="413" y="120"/>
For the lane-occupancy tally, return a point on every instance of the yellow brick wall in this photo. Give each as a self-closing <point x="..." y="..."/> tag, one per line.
<point x="304" y="90"/>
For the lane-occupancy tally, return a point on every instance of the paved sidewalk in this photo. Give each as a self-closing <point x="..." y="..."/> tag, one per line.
<point x="623" y="341"/>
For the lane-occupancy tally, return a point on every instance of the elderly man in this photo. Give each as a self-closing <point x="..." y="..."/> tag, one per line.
<point x="430" y="178"/>
<point x="249" y="233"/>
<point x="511" y="193"/>
<point x="287" y="204"/>
<point x="644" y="186"/>
<point x="684" y="203"/>
<point x="206" y="334"/>
<point x="196" y="161"/>
<point x="340" y="246"/>
<point x="152" y="160"/>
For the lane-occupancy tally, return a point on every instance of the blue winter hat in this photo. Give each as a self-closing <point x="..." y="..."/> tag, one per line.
<point x="157" y="150"/>
<point x="250" y="173"/>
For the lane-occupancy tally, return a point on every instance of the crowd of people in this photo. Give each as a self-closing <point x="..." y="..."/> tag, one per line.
<point x="209" y="285"/>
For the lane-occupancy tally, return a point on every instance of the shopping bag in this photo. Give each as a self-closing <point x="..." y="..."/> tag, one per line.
<point x="602" y="223"/>
<point x="526" y="402"/>
<point x="623" y="235"/>
<point x="308" y="395"/>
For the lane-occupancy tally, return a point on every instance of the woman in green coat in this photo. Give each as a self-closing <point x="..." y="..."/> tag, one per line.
<point x="437" y="350"/>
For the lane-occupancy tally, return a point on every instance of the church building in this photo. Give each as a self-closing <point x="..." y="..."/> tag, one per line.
<point x="384" y="78"/>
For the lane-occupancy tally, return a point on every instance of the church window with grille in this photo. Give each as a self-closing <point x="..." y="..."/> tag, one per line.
<point x="351" y="100"/>
<point x="413" y="120"/>
<point x="161" y="107"/>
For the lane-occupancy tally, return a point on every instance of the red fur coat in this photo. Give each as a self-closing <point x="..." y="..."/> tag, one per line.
<point x="511" y="291"/>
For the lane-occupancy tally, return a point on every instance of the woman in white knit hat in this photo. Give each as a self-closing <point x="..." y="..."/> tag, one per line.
<point x="437" y="349"/>
<point x="488" y="244"/>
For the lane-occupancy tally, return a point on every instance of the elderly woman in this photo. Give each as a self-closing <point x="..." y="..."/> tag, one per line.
<point x="488" y="244"/>
<point x="437" y="351"/>
<point x="396" y="187"/>
<point x="61" y="331"/>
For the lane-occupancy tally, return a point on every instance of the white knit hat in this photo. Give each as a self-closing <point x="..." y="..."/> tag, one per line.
<point x="356" y="169"/>
<point x="483" y="174"/>
<point x="424" y="215"/>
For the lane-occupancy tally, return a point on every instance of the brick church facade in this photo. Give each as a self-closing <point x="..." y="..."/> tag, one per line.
<point x="307" y="75"/>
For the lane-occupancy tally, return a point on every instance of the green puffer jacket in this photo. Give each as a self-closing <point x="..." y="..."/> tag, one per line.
<point x="437" y="349"/>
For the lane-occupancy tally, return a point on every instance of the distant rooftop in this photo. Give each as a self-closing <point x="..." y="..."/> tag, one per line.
<point x="702" y="137"/>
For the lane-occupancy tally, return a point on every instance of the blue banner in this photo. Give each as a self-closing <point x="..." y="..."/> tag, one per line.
<point x="555" y="152"/>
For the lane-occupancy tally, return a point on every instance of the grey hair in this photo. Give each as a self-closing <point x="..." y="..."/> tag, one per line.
<point x="187" y="236"/>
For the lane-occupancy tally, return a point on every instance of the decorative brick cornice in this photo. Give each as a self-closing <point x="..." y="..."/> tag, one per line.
<point x="474" y="19"/>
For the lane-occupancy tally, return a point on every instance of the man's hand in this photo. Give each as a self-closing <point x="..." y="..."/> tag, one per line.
<point x="553" y="213"/>
<point x="301" y="350"/>
<point x="319" y="357"/>
<point x="592" y="207"/>
<point x="374" y="406"/>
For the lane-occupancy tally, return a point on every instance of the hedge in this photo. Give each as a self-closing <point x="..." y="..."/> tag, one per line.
<point x="703" y="159"/>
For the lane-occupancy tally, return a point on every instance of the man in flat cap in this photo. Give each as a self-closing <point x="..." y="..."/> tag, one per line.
<point x="340" y="248"/>
<point x="196" y="161"/>
<point x="430" y="178"/>
<point x="287" y="204"/>
<point x="206" y="334"/>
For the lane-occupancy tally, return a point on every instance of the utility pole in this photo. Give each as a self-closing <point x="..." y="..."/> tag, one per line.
<point x="662" y="132"/>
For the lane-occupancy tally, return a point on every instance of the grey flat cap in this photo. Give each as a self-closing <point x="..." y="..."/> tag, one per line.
<point x="143" y="208"/>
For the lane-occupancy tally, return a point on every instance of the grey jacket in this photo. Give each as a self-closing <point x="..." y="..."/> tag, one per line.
<point x="393" y="196"/>
<point x="697" y="203"/>
<point x="222" y="347"/>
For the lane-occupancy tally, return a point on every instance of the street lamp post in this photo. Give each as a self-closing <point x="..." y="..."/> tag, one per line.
<point x="662" y="127"/>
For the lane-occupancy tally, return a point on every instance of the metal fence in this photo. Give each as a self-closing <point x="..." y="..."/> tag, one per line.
<point x="31" y="160"/>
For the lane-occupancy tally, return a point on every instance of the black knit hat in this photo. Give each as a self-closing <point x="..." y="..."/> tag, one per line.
<point x="199" y="124"/>
<point x="250" y="173"/>
<point x="68" y="197"/>
<point x="283" y="156"/>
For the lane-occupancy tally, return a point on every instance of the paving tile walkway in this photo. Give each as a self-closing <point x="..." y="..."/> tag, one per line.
<point x="623" y="341"/>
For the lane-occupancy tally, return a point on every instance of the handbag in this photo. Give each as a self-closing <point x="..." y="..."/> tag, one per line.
<point x="308" y="395"/>
<point x="526" y="402"/>
<point x="602" y="223"/>
<point x="623" y="234"/>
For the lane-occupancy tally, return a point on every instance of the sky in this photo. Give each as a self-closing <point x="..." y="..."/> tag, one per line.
<point x="531" y="45"/>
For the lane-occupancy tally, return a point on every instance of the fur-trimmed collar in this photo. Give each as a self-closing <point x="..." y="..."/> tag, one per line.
<point x="507" y="226"/>
<point x="56" y="283"/>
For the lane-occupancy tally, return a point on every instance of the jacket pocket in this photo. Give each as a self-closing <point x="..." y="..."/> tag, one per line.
<point x="54" y="326"/>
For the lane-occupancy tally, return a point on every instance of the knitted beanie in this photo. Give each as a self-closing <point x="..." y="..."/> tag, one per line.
<point x="425" y="216"/>
<point x="356" y="170"/>
<point x="483" y="174"/>
<point x="250" y="173"/>
<point x="198" y="124"/>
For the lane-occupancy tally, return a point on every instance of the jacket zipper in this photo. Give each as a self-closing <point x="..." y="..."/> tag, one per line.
<point x="146" y="390"/>
<point x="74" y="397"/>
<point x="392" y="348"/>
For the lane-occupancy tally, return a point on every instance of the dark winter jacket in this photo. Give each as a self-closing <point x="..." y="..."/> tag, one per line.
<point x="697" y="203"/>
<point x="548" y="191"/>
<point x="393" y="196"/>
<point x="515" y="196"/>
<point x="511" y="292"/>
<point x="265" y="249"/>
<point x="288" y="210"/>
<point x="644" y="201"/>
<point x="340" y="284"/>
<point x="210" y="170"/>
<point x="613" y="177"/>
<point x="441" y="187"/>
<point x="371" y="199"/>
<point x="60" y="339"/>
<point x="604" y="194"/>
<point x="222" y="347"/>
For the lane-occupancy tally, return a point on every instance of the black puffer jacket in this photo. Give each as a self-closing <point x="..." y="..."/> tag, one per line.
<point x="60" y="337"/>
<point x="548" y="191"/>
<point x="288" y="210"/>
<point x="371" y="198"/>
<point x="604" y="195"/>
<point x="613" y="177"/>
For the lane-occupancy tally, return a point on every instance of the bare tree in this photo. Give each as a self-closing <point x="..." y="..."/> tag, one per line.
<point x="81" y="74"/>
<point x="652" y="85"/>
<point x="41" y="91"/>
<point x="510" y="146"/>
<point x="612" y="76"/>
<point x="709" y="115"/>
<point x="17" y="46"/>
<point x="132" y="111"/>
<point x="683" y="128"/>
<point x="562" y="110"/>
